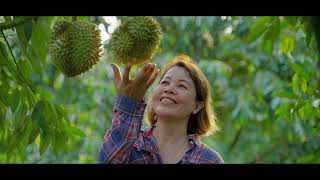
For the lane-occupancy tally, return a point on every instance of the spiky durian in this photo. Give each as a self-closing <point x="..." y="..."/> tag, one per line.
<point x="75" y="46"/>
<point x="136" y="40"/>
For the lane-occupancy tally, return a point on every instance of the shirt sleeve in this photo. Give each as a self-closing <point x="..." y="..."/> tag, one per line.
<point x="126" y="125"/>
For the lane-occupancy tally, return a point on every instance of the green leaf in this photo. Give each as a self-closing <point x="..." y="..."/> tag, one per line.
<point x="295" y="84"/>
<point x="285" y="94"/>
<point x="7" y="18"/>
<point x="27" y="27"/>
<point x="286" y="44"/>
<point x="60" y="142"/>
<point x="300" y="70"/>
<point x="304" y="85"/>
<point x="44" y="143"/>
<point x="20" y="30"/>
<point x="3" y="55"/>
<point x="26" y="95"/>
<point x="39" y="39"/>
<point x="292" y="20"/>
<point x="5" y="60"/>
<point x="305" y="112"/>
<point x="27" y="129"/>
<point x="77" y="132"/>
<point x="39" y="117"/>
<point x="26" y="69"/>
<point x="270" y="36"/>
<point x="47" y="95"/>
<point x="15" y="99"/>
<point x="20" y="117"/>
<point x="34" y="133"/>
<point x="258" y="28"/>
<point x="3" y="112"/>
<point x="4" y="92"/>
<point x="52" y="115"/>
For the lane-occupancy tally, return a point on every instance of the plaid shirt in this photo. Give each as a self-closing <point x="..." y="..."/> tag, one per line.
<point x="124" y="142"/>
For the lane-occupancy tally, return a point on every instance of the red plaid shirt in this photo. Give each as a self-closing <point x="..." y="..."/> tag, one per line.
<point x="124" y="142"/>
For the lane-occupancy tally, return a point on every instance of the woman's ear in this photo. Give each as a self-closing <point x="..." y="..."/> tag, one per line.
<point x="200" y="105"/>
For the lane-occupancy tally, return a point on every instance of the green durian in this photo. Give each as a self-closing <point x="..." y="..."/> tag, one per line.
<point x="74" y="47"/>
<point x="136" y="40"/>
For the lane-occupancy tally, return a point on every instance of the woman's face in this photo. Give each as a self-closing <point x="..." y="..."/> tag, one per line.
<point x="175" y="95"/>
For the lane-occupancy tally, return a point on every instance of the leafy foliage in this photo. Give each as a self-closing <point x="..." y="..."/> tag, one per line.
<point x="264" y="73"/>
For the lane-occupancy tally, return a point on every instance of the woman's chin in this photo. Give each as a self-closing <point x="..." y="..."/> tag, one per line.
<point x="166" y="115"/>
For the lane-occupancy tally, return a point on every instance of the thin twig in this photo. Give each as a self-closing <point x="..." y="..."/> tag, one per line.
<point x="236" y="138"/>
<point x="8" y="25"/>
<point x="15" y="62"/>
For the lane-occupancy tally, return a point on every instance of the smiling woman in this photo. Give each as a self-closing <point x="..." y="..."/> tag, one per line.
<point x="179" y="111"/>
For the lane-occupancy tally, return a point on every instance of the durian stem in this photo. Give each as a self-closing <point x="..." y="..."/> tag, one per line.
<point x="15" y="62"/>
<point x="11" y="24"/>
<point x="74" y="18"/>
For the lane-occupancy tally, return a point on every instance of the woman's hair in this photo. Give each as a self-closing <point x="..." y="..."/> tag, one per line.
<point x="204" y="122"/>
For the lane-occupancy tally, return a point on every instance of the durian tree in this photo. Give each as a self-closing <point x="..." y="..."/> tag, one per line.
<point x="264" y="72"/>
<point x="33" y="117"/>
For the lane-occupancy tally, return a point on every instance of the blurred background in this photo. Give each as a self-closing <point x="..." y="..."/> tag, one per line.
<point x="264" y="73"/>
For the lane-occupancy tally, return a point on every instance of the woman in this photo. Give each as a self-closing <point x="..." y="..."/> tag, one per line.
<point x="179" y="111"/>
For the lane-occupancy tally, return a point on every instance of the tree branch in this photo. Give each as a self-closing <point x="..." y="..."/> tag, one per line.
<point x="15" y="62"/>
<point x="14" y="23"/>
<point x="236" y="138"/>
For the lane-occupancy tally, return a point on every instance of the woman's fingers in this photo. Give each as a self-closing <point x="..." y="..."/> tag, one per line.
<point x="117" y="74"/>
<point x="152" y="78"/>
<point x="126" y="73"/>
<point x="145" y="73"/>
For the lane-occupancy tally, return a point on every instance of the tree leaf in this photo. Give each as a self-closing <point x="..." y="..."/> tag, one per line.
<point x="295" y="84"/>
<point x="270" y="36"/>
<point x="285" y="94"/>
<point x="304" y="85"/>
<point x="77" y="132"/>
<point x="258" y="28"/>
<point x="44" y="143"/>
<point x="26" y="69"/>
<point x="15" y="99"/>
<point x="34" y="133"/>
<point x="27" y="27"/>
<point x="39" y="39"/>
<point x="39" y="117"/>
<point x="20" y="30"/>
<point x="5" y="60"/>
<point x="4" y="92"/>
<point x="20" y="115"/>
<point x="52" y="115"/>
<point x="300" y="70"/>
<point x="7" y="18"/>
<point x="286" y="44"/>
<point x="292" y="20"/>
<point x="3" y="112"/>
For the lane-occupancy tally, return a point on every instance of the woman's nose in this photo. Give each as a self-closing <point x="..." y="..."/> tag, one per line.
<point x="170" y="90"/>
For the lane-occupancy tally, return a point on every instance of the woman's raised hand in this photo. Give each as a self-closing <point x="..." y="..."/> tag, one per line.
<point x="135" y="88"/>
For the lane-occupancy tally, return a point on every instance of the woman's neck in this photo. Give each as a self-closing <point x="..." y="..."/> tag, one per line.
<point x="170" y="131"/>
<point x="171" y="137"/>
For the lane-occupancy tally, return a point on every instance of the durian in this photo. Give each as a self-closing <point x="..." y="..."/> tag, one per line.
<point x="74" y="47"/>
<point x="136" y="40"/>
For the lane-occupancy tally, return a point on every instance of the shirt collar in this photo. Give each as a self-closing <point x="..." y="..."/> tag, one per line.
<point x="147" y="142"/>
